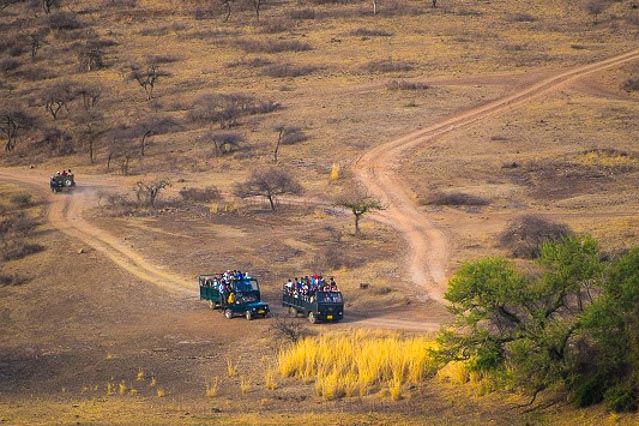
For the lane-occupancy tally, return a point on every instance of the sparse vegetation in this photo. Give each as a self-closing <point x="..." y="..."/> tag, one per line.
<point x="455" y="199"/>
<point x="268" y="183"/>
<point x="526" y="236"/>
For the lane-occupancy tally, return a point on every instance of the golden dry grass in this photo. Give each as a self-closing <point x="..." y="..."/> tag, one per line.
<point x="358" y="363"/>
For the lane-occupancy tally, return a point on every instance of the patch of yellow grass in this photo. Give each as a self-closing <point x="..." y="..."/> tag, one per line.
<point x="140" y="376"/>
<point x="154" y="382"/>
<point x="358" y="362"/>
<point x="161" y="393"/>
<point x="245" y="385"/>
<point x="455" y="372"/>
<point x="231" y="368"/>
<point x="269" y="380"/>
<point x="335" y="172"/>
<point x="213" y="387"/>
<point x="122" y="388"/>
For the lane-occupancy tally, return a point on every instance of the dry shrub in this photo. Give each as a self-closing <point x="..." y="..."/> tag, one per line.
<point x="523" y="17"/>
<point x="288" y="70"/>
<point x="288" y="328"/>
<point x="631" y="85"/>
<point x="22" y="200"/>
<point x="388" y="65"/>
<point x="525" y="236"/>
<point x="455" y="199"/>
<point x="13" y="250"/>
<point x="15" y="280"/>
<point x="9" y="64"/>
<point x="368" y="32"/>
<point x="275" y="26"/>
<point x="253" y="62"/>
<point x="302" y="14"/>
<point x="206" y="195"/>
<point x="406" y="85"/>
<point x="274" y="46"/>
<point x="228" y="108"/>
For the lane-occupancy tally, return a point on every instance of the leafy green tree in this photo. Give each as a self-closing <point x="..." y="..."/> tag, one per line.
<point x="519" y="328"/>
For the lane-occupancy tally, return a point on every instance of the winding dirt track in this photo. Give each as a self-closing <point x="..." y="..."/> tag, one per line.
<point x="427" y="245"/>
<point x="377" y="170"/>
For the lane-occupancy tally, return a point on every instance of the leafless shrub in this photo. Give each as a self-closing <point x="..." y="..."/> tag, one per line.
<point x="226" y="142"/>
<point x="406" y="85"/>
<point x="38" y="74"/>
<point x="14" y="280"/>
<point x="253" y="62"/>
<point x="288" y="70"/>
<point x="9" y="64"/>
<point x="302" y="14"/>
<point x="162" y="59"/>
<point x="162" y="30"/>
<point x="17" y="226"/>
<point x="227" y="109"/>
<point x="288" y="328"/>
<point x="525" y="236"/>
<point x="631" y="85"/>
<point x="334" y="234"/>
<point x="196" y="195"/>
<point x="367" y="32"/>
<point x="455" y="199"/>
<point x="274" y="46"/>
<point x="64" y="21"/>
<point x="388" y="65"/>
<point x="19" y="249"/>
<point x="13" y="46"/>
<point x="57" y="142"/>
<point x="523" y="17"/>
<point x="275" y="27"/>
<point x="22" y="200"/>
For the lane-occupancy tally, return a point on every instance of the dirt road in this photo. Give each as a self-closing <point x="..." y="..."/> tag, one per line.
<point x="378" y="170"/>
<point x="428" y="247"/>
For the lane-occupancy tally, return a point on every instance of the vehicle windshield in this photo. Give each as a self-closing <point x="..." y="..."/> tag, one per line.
<point x="246" y="285"/>
<point x="247" y="297"/>
<point x="332" y="297"/>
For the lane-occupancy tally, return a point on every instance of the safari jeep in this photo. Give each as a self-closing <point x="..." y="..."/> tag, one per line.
<point x="321" y="306"/>
<point x="62" y="182"/>
<point x="247" y="297"/>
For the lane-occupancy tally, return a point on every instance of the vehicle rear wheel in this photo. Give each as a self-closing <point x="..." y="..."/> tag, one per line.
<point x="211" y="304"/>
<point x="228" y="314"/>
<point x="312" y="318"/>
<point x="248" y="315"/>
<point x="292" y="311"/>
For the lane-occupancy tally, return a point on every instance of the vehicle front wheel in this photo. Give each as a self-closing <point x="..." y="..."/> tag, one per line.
<point x="249" y="315"/>
<point x="312" y="318"/>
<point x="228" y="314"/>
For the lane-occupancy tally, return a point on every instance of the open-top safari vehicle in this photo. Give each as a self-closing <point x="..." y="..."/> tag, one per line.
<point x="64" y="181"/>
<point x="245" y="300"/>
<point x="324" y="306"/>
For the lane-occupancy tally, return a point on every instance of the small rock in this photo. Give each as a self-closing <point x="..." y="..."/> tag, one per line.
<point x="81" y="251"/>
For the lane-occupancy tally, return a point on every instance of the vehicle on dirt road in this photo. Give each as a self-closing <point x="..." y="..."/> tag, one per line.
<point x="246" y="299"/>
<point x="62" y="182"/>
<point x="321" y="306"/>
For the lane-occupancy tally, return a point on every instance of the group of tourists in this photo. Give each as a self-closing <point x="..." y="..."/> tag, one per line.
<point x="307" y="286"/>
<point x="232" y="286"/>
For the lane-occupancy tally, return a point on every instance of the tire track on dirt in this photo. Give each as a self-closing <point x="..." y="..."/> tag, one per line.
<point x="428" y="248"/>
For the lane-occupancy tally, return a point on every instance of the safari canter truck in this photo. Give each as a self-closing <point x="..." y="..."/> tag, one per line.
<point x="247" y="301"/>
<point x="62" y="182"/>
<point x="320" y="306"/>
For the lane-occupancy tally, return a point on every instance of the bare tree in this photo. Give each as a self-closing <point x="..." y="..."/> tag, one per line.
<point x="90" y="55"/>
<point x="90" y="95"/>
<point x="92" y="127"/>
<point x="57" y="97"/>
<point x="359" y="205"/>
<point x="12" y="121"/>
<point x="268" y="183"/>
<point x="434" y="3"/>
<point x="148" y="193"/>
<point x="256" y="6"/>
<point x="153" y="125"/>
<point x="288" y="328"/>
<point x="287" y="135"/>
<point x="47" y="5"/>
<point x="595" y="8"/>
<point x="227" y="6"/>
<point x="147" y="78"/>
<point x="36" y="40"/>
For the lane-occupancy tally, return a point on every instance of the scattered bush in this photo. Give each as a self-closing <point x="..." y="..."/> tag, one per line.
<point x="288" y="328"/>
<point x="523" y="17"/>
<point x="288" y="71"/>
<point x="64" y="21"/>
<point x="406" y="85"/>
<point x="455" y="199"/>
<point x="196" y="195"/>
<point x="22" y="200"/>
<point x="388" y="65"/>
<point x="275" y="26"/>
<point x="525" y="236"/>
<point x="273" y="46"/>
<point x="367" y="32"/>
<point x="9" y="64"/>
<point x="302" y="14"/>
<point x="226" y="109"/>
<point x="254" y="62"/>
<point x="18" y="249"/>
<point x="6" y="280"/>
<point x="631" y="85"/>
